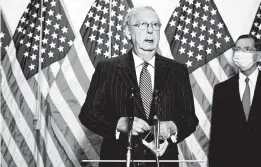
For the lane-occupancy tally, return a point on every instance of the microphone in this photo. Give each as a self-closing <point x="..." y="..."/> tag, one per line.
<point x="130" y="114"/>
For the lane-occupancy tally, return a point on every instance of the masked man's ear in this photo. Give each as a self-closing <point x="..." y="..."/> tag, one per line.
<point x="127" y="33"/>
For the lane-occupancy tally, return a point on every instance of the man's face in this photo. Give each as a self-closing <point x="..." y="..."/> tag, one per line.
<point x="145" y="40"/>
<point x="245" y="45"/>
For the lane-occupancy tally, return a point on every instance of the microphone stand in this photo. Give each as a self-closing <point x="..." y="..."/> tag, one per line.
<point x="130" y="112"/>
<point x="157" y="123"/>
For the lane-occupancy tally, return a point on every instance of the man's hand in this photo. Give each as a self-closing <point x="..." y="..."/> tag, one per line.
<point x="167" y="128"/>
<point x="139" y="125"/>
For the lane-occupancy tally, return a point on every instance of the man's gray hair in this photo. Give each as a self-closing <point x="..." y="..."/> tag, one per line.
<point x="133" y="12"/>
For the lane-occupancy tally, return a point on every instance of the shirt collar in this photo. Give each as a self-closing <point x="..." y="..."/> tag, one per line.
<point x="252" y="77"/>
<point x="138" y="61"/>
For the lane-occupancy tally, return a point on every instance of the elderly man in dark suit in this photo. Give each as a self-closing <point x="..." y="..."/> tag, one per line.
<point x="141" y="70"/>
<point x="235" y="139"/>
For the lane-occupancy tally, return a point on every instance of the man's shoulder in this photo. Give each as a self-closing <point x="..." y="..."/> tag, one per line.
<point x="172" y="62"/>
<point x="227" y="83"/>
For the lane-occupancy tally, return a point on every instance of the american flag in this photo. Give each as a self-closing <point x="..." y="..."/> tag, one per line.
<point x="60" y="140"/>
<point x="256" y="30"/>
<point x="5" y="37"/>
<point x="63" y="80"/>
<point x="102" y="30"/>
<point x="198" y="37"/>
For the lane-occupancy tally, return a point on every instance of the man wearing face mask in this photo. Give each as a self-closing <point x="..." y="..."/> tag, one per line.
<point x="235" y="137"/>
<point x="141" y="71"/>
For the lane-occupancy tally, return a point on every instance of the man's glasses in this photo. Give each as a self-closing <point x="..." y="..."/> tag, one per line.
<point x="245" y="49"/>
<point x="144" y="25"/>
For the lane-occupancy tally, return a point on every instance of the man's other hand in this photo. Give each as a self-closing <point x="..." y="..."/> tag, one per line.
<point x="139" y="125"/>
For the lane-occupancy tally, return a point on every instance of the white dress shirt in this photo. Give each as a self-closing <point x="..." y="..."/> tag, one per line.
<point x="252" y="84"/>
<point x="138" y="67"/>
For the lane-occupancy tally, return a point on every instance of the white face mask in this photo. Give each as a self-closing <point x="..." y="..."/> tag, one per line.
<point x="152" y="146"/>
<point x="244" y="60"/>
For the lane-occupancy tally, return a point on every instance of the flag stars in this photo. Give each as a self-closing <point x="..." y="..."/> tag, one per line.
<point x="103" y="20"/>
<point x="38" y="28"/>
<point x="105" y="10"/>
<point x="177" y="37"/>
<point x="43" y="50"/>
<point x="213" y="12"/>
<point x="94" y="27"/>
<point x="204" y="17"/>
<point x="92" y="37"/>
<point x="2" y="35"/>
<point x="46" y="31"/>
<point x="34" y="15"/>
<point x="52" y="45"/>
<point x="192" y="44"/>
<point x="172" y="23"/>
<point x="98" y="51"/>
<point x="206" y="8"/>
<point x="64" y="30"/>
<point x="196" y="15"/>
<point x="58" y="16"/>
<point x="109" y="34"/>
<point x="101" y="30"/>
<point x="30" y="35"/>
<point x="258" y="36"/>
<point x="219" y="35"/>
<point x="210" y="41"/>
<point x="218" y="44"/>
<point x="208" y="51"/>
<point x="212" y="21"/>
<point x="227" y="39"/>
<point x="53" y="3"/>
<point x="21" y="41"/>
<point x="195" y="24"/>
<point x="50" y="54"/>
<point x="185" y="30"/>
<point x="32" y="67"/>
<point x="182" y="18"/>
<point x="70" y="43"/>
<point x="99" y="7"/>
<point x="48" y="21"/>
<point x="179" y="27"/>
<point x="117" y="37"/>
<point x="198" y="5"/>
<point x="200" y="47"/>
<point x="60" y="49"/>
<point x="211" y="31"/>
<point x="22" y="19"/>
<point x="20" y="29"/>
<point x="87" y="24"/>
<point x="187" y="21"/>
<point x="184" y="40"/>
<point x="121" y="7"/>
<point x="54" y="35"/>
<point x="120" y="17"/>
<point x="26" y="54"/>
<point x="35" y="47"/>
<point x="28" y="44"/>
<point x="32" y="25"/>
<point x="62" y="39"/>
<point x="41" y="19"/>
<point x="199" y="57"/>
<point x="124" y="41"/>
<point x="45" y="40"/>
<point x="50" y="12"/>
<point x="181" y="50"/>
<point x="189" y="63"/>
<point x="37" y="38"/>
<point x="220" y="25"/>
<point x="114" y="3"/>
<point x="203" y="27"/>
<point x="189" y="10"/>
<point x="190" y="53"/>
<point x="184" y="8"/>
<point x="259" y="27"/>
<point x="100" y="41"/>
<point x="118" y="27"/>
<point x="123" y="51"/>
<point x="113" y="13"/>
<point x="201" y="37"/>
<point x="116" y="47"/>
<point x="33" y="56"/>
<point x="175" y="14"/>
<point x="56" y="26"/>
<point x="90" y="14"/>
<point x="96" y="17"/>
<point x="193" y="34"/>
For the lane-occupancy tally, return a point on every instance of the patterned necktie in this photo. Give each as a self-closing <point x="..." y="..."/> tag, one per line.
<point x="146" y="88"/>
<point x="246" y="98"/>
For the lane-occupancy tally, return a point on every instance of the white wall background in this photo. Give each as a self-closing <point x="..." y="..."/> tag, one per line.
<point x="238" y="15"/>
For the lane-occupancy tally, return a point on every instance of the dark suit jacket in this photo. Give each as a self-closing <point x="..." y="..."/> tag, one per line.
<point x="107" y="98"/>
<point x="235" y="141"/>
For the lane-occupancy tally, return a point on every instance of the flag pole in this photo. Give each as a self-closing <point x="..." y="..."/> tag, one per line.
<point x="110" y="30"/>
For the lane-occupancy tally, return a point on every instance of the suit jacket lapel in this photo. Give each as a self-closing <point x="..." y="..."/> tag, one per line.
<point x="161" y="73"/>
<point x="128" y="74"/>
<point x="256" y="99"/>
